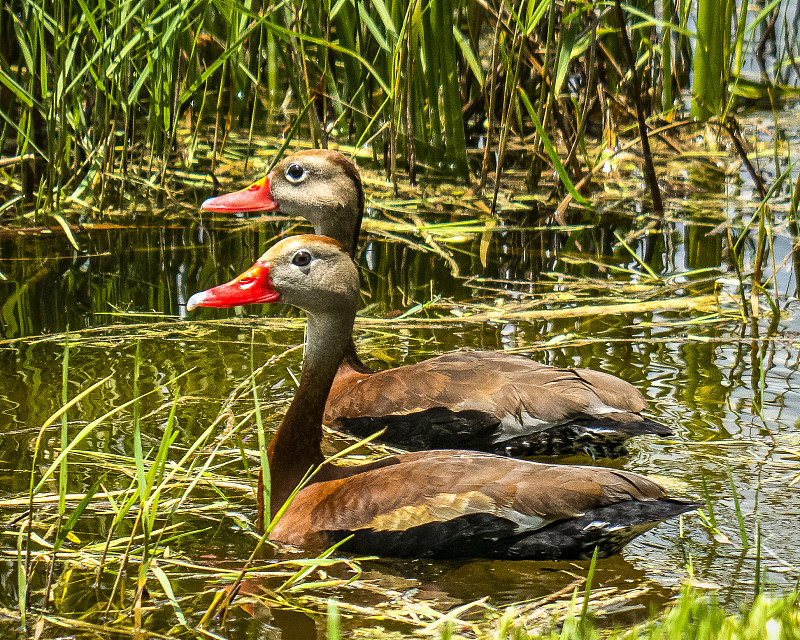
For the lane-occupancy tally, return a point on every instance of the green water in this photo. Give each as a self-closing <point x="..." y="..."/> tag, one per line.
<point x="729" y="390"/>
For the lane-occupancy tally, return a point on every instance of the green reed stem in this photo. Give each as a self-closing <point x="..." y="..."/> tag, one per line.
<point x="266" y="484"/>
<point x="62" y="472"/>
<point x="757" y="585"/>
<point x="334" y="631"/>
<point x="738" y="508"/>
<point x="588" y="590"/>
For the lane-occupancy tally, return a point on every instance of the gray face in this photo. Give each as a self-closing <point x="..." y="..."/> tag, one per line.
<point x="324" y="188"/>
<point x="314" y="274"/>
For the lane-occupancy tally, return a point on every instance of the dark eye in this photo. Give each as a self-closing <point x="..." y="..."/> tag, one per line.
<point x="295" y="172"/>
<point x="301" y="259"/>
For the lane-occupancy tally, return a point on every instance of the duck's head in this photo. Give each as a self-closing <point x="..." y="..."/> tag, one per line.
<point x="313" y="273"/>
<point x="319" y="185"/>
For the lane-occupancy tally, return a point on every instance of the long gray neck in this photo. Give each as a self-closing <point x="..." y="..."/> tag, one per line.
<point x="336" y="227"/>
<point x="342" y="223"/>
<point x="327" y="335"/>
<point x="345" y="227"/>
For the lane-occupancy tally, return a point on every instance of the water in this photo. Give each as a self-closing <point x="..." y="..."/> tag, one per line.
<point x="730" y="391"/>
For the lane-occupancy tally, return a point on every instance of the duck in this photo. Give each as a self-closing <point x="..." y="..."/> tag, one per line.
<point x="489" y="401"/>
<point x="423" y="504"/>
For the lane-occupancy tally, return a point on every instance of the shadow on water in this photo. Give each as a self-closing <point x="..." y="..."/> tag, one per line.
<point x="730" y="394"/>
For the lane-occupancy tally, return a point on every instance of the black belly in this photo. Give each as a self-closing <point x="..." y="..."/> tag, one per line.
<point x="483" y="535"/>
<point x="441" y="428"/>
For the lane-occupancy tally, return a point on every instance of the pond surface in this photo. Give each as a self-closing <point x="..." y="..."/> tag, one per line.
<point x="518" y="281"/>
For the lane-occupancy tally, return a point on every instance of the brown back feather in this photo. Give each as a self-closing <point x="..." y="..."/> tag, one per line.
<point x="493" y="382"/>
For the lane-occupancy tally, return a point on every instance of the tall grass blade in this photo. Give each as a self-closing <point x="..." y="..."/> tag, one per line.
<point x="265" y="485"/>
<point x="709" y="504"/>
<point x="562" y="172"/>
<point x="334" y="621"/>
<point x="63" y="469"/>
<point x="23" y="564"/>
<point x="757" y="585"/>
<point x="738" y="508"/>
<point x="588" y="590"/>
<point x="163" y="580"/>
<point x="89" y="428"/>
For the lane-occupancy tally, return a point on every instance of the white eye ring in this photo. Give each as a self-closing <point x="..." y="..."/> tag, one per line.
<point x="302" y="258"/>
<point x="295" y="172"/>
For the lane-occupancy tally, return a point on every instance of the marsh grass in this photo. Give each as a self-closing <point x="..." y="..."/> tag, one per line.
<point x="168" y="491"/>
<point x="116" y="96"/>
<point x="694" y="615"/>
<point x="408" y="215"/>
<point x="159" y="490"/>
<point x="172" y="491"/>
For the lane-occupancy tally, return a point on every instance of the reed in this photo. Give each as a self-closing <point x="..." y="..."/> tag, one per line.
<point x="334" y="631"/>
<point x="146" y="517"/>
<point x="738" y="509"/>
<point x="95" y="99"/>
<point x="710" y="63"/>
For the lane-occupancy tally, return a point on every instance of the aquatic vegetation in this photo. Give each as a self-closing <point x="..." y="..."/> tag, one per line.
<point x="98" y="101"/>
<point x="129" y="450"/>
<point x="694" y="614"/>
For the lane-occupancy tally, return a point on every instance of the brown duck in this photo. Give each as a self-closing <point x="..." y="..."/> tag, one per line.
<point x="427" y="503"/>
<point x="487" y="401"/>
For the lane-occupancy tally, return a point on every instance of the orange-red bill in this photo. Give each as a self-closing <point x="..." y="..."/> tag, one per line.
<point x="257" y="197"/>
<point x="252" y="287"/>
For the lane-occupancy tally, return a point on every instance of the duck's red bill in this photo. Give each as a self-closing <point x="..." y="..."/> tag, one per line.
<point x="257" y="197"/>
<point x="252" y="287"/>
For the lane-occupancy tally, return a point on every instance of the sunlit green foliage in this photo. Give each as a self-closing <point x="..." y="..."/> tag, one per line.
<point x="695" y="615"/>
<point x="421" y="83"/>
